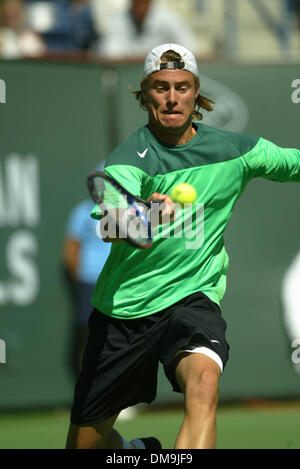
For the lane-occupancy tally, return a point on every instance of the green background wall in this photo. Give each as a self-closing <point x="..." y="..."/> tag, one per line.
<point x="58" y="122"/>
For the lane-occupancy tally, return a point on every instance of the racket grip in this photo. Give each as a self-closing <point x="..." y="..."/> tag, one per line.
<point x="156" y="202"/>
<point x="157" y="206"/>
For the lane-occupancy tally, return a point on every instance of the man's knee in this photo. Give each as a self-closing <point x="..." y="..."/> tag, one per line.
<point x="199" y="378"/>
<point x="203" y="387"/>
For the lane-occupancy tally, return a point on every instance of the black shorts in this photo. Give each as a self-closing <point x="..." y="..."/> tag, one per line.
<point x="121" y="358"/>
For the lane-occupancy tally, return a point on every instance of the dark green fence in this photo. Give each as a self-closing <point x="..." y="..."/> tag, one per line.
<point x="57" y="121"/>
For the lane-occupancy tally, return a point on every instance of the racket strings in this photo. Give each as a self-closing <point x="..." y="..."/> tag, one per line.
<point x="108" y="195"/>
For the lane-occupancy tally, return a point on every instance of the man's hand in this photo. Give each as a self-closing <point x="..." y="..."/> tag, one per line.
<point x="166" y="215"/>
<point x="168" y="212"/>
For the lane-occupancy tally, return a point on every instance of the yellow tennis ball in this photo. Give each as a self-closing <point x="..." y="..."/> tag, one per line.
<point x="183" y="193"/>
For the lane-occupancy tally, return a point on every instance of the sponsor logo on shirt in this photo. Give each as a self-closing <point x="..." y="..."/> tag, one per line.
<point x="142" y="155"/>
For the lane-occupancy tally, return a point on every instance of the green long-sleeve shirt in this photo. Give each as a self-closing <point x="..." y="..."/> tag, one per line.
<point x="186" y="256"/>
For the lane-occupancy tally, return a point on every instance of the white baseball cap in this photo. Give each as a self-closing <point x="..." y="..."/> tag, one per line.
<point x="154" y="64"/>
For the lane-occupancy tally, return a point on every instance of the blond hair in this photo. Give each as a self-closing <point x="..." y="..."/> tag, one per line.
<point x="201" y="102"/>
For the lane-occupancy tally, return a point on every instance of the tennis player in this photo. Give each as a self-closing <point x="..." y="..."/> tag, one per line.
<point x="162" y="304"/>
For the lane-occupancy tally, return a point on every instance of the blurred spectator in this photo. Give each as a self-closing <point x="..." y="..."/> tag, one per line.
<point x="17" y="40"/>
<point x="134" y="31"/>
<point x="296" y="6"/>
<point x="84" y="255"/>
<point x="83" y="32"/>
<point x="66" y="25"/>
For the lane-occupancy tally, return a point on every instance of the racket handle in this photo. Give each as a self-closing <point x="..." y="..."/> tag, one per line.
<point x="156" y="202"/>
<point x="157" y="206"/>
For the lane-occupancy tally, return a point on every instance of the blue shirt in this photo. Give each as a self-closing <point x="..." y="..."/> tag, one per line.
<point x="93" y="250"/>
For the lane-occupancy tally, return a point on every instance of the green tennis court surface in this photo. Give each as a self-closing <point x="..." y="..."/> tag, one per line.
<point x="263" y="427"/>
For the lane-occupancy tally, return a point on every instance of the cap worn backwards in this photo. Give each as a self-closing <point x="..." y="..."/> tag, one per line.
<point x="153" y="60"/>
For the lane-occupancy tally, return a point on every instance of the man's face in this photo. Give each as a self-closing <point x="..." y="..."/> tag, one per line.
<point x="171" y="99"/>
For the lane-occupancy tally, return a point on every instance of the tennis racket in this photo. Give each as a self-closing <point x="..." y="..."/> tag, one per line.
<point x="127" y="216"/>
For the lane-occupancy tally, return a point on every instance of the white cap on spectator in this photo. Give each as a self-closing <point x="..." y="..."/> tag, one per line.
<point x="154" y="64"/>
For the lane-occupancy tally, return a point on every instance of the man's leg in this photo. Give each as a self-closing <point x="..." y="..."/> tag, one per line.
<point x="198" y="377"/>
<point x="104" y="436"/>
<point x="99" y="436"/>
